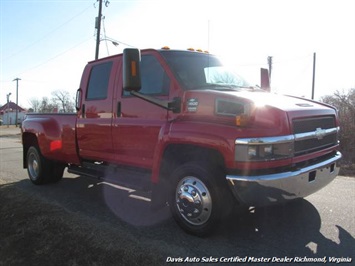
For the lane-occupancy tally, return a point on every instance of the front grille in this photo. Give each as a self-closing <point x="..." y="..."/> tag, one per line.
<point x="314" y="142"/>
<point x="311" y="124"/>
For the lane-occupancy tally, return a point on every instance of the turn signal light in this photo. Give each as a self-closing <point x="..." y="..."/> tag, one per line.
<point x="133" y="68"/>
<point x="242" y="120"/>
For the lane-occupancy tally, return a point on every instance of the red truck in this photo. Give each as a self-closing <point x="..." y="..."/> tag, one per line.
<point x="191" y="131"/>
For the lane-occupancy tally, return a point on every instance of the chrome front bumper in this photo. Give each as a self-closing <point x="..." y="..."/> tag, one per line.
<point x="277" y="188"/>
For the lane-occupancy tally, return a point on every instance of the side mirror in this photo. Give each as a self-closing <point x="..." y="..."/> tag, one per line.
<point x="131" y="70"/>
<point x="264" y="79"/>
<point x="79" y="93"/>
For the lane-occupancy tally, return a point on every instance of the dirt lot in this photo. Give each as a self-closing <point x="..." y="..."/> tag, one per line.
<point x="77" y="222"/>
<point x="37" y="230"/>
<point x="37" y="233"/>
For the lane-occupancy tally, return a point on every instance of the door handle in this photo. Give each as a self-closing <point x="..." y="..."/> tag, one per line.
<point x="83" y="111"/>
<point x="118" y="109"/>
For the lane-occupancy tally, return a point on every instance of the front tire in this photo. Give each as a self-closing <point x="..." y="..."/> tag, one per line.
<point x="197" y="198"/>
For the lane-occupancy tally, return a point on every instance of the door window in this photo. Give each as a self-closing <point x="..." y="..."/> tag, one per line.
<point x="155" y="81"/>
<point x="98" y="82"/>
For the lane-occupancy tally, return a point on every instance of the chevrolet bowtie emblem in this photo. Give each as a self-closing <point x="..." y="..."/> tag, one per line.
<point x="320" y="133"/>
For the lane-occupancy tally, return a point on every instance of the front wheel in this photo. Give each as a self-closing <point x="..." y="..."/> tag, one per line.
<point x="198" y="197"/>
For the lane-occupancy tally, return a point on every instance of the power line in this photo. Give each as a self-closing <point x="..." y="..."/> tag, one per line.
<point x="56" y="56"/>
<point x="45" y="36"/>
<point x="105" y="36"/>
<point x="291" y="59"/>
<point x="115" y="42"/>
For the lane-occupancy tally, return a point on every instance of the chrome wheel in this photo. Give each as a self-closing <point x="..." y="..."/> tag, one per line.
<point x="193" y="200"/>
<point x="33" y="166"/>
<point x="37" y="166"/>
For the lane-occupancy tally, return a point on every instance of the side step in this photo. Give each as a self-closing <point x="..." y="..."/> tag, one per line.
<point x="137" y="179"/>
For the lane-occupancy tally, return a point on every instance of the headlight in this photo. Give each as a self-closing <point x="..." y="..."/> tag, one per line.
<point x="264" y="149"/>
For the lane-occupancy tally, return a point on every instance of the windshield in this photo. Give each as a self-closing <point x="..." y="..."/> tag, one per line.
<point x="202" y="71"/>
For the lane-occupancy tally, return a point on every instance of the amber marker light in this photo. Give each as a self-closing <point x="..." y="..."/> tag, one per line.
<point x="133" y="68"/>
<point x="242" y="120"/>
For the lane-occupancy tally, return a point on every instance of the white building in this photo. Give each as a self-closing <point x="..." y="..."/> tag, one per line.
<point x="8" y="113"/>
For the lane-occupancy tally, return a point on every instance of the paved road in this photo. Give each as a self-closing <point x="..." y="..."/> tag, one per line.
<point x="321" y="225"/>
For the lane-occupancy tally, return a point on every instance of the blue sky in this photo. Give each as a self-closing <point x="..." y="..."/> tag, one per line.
<point x="47" y="43"/>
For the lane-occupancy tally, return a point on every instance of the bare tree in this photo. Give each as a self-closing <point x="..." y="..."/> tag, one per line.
<point x="225" y="78"/>
<point x="345" y="103"/>
<point x="35" y="104"/>
<point x="62" y="98"/>
<point x="46" y="106"/>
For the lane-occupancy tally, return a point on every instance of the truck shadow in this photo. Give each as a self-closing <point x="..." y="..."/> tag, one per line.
<point x="288" y="230"/>
<point x="101" y="199"/>
<point x="293" y="229"/>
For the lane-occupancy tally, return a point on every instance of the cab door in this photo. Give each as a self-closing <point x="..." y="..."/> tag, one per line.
<point x="94" y="124"/>
<point x="138" y="124"/>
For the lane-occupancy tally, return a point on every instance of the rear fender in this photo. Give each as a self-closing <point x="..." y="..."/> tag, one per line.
<point x="55" y="142"/>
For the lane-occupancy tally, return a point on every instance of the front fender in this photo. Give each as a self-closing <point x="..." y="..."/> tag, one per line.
<point x="220" y="138"/>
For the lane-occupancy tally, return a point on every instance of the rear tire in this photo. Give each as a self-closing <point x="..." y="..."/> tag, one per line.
<point x="198" y="198"/>
<point x="41" y="170"/>
<point x="56" y="172"/>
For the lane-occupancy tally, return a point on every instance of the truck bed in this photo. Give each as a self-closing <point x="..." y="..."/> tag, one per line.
<point x="54" y="134"/>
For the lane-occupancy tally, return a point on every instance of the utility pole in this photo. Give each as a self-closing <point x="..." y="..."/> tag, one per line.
<point x="314" y="74"/>
<point x="269" y="62"/>
<point x="98" y="27"/>
<point x="8" y="108"/>
<point x="16" y="79"/>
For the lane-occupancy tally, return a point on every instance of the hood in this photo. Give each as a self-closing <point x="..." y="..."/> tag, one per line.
<point x="205" y="101"/>
<point x="268" y="111"/>
<point x="282" y="102"/>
